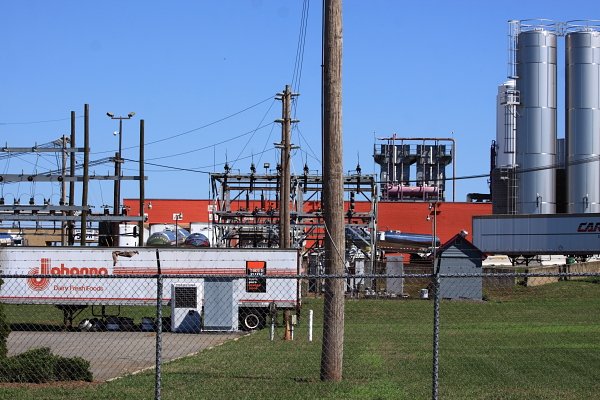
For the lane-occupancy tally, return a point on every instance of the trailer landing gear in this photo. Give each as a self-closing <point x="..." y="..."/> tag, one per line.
<point x="70" y="312"/>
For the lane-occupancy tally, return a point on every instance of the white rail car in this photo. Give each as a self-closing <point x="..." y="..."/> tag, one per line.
<point x="109" y="278"/>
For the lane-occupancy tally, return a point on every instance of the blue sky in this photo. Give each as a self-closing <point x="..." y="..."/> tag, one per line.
<point x="191" y="68"/>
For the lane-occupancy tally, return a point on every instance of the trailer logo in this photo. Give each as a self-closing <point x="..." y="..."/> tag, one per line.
<point x="39" y="284"/>
<point x="589" y="227"/>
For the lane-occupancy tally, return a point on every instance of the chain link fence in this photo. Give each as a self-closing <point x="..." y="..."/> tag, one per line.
<point x="527" y="332"/>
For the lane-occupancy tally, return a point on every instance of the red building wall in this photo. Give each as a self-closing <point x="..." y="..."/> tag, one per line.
<point x="410" y="217"/>
<point x="160" y="211"/>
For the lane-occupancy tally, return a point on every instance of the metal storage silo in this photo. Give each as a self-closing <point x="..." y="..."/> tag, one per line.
<point x="582" y="120"/>
<point x="506" y="116"/>
<point x="536" y="117"/>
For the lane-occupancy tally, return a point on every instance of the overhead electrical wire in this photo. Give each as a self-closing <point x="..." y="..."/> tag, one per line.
<point x="522" y="171"/>
<point x="297" y="75"/>
<point x="212" y="145"/>
<point x="299" y="61"/>
<point x="193" y="130"/>
<point x="212" y="123"/>
<point x="586" y="160"/>
<point x="583" y="161"/>
<point x="266" y="143"/>
<point x="106" y="160"/>
<point x="296" y="79"/>
<point x="308" y="145"/>
<point x="195" y="170"/>
<point x="109" y="160"/>
<point x="36" y="122"/>
<point x="52" y="144"/>
<point x="21" y="158"/>
<point x="250" y="138"/>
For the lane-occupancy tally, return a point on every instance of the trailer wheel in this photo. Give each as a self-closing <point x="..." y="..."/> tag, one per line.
<point x="252" y="319"/>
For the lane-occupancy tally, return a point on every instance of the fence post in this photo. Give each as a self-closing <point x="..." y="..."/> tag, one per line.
<point x="159" y="295"/>
<point x="436" y="331"/>
<point x="310" y="325"/>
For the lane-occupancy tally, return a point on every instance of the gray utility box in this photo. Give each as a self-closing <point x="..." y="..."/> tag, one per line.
<point x="395" y="266"/>
<point x="186" y="307"/>
<point x="221" y="303"/>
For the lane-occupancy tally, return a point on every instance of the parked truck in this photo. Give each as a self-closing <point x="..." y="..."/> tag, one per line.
<point x="109" y="278"/>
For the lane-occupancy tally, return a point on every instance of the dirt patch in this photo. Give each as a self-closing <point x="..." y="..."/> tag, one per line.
<point x="51" y="385"/>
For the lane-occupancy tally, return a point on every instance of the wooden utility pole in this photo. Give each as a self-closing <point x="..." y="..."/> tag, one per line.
<point x="284" y="206"/>
<point x="284" y="202"/>
<point x="72" y="183"/>
<point x="286" y="146"/>
<point x="63" y="191"/>
<point x="142" y="186"/>
<point x="86" y="173"/>
<point x="333" y="194"/>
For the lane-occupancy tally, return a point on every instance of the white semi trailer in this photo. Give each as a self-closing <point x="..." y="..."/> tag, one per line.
<point x="530" y="235"/>
<point x="109" y="277"/>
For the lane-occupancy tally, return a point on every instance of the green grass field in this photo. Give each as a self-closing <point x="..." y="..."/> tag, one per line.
<point x="525" y="343"/>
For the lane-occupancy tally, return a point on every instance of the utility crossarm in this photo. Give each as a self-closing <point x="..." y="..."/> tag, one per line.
<point x="75" y="218"/>
<point x="65" y="178"/>
<point x="42" y="149"/>
<point x="15" y="208"/>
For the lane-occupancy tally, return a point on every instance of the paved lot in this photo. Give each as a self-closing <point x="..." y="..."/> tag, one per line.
<point x="114" y="354"/>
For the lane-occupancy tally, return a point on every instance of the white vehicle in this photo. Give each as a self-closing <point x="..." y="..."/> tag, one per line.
<point x="254" y="294"/>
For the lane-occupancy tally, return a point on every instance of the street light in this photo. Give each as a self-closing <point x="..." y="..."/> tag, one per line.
<point x="118" y="162"/>
<point x="112" y="116"/>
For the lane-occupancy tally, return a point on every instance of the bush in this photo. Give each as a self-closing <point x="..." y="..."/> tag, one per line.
<point x="40" y="365"/>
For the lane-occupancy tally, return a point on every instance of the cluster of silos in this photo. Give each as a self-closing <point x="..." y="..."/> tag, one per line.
<point x="530" y="102"/>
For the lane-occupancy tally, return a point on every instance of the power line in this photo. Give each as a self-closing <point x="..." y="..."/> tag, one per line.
<point x="266" y="143"/>
<point x="520" y="171"/>
<point x="297" y="75"/>
<point x="313" y="155"/>
<point x="250" y="138"/>
<point x="195" y="129"/>
<point x="213" y="145"/>
<point x="195" y="170"/>
<point x="36" y="122"/>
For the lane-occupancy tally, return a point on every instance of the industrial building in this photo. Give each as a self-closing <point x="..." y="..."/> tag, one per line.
<point x="532" y="171"/>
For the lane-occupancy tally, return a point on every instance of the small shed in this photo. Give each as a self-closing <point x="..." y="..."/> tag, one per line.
<point x="460" y="256"/>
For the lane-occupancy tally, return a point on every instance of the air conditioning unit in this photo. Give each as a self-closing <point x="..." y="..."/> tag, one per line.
<point x="186" y="307"/>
